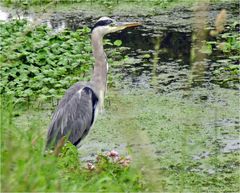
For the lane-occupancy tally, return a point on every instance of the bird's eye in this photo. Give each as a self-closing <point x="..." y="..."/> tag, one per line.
<point x="111" y="25"/>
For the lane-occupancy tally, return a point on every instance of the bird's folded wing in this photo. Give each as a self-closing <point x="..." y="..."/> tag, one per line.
<point x="73" y="117"/>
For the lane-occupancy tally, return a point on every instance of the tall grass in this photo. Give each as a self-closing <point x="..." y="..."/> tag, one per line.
<point x="24" y="168"/>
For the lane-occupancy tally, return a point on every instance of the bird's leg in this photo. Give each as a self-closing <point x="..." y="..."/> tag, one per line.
<point x="101" y="108"/>
<point x="101" y="102"/>
<point x="59" y="146"/>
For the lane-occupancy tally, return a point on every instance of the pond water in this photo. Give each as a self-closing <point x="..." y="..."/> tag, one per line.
<point x="174" y="29"/>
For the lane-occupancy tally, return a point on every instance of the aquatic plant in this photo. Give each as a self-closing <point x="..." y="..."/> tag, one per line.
<point x="225" y="47"/>
<point x="40" y="64"/>
<point x="222" y="46"/>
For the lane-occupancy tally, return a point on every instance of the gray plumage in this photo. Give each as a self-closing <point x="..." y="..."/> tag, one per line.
<point x="74" y="115"/>
<point x="77" y="111"/>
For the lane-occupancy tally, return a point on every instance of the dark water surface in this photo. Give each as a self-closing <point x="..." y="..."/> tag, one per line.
<point x="173" y="28"/>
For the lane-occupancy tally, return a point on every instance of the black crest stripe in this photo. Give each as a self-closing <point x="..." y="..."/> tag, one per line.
<point x="102" y="23"/>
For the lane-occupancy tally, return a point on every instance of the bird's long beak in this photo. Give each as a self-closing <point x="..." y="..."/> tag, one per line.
<point x="123" y="25"/>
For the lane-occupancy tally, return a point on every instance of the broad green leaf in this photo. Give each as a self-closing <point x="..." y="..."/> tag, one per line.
<point x="117" y="42"/>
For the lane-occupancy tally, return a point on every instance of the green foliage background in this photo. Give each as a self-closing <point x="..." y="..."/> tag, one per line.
<point x="27" y="72"/>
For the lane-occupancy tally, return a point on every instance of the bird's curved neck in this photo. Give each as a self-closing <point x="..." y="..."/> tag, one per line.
<point x="100" y="68"/>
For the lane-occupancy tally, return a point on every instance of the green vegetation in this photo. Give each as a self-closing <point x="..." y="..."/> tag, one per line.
<point x="24" y="168"/>
<point x="181" y="150"/>
<point x="179" y="141"/>
<point x="108" y="4"/>
<point x="128" y="6"/>
<point x="27" y="72"/>
<point x="225" y="49"/>
<point x="228" y="44"/>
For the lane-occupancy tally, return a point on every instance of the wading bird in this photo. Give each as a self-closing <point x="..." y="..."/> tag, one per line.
<point x="77" y="110"/>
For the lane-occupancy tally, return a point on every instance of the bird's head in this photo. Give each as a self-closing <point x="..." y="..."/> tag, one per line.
<point x="106" y="25"/>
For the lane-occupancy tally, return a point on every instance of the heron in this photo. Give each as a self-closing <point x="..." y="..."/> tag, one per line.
<point x="77" y="110"/>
